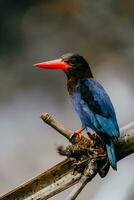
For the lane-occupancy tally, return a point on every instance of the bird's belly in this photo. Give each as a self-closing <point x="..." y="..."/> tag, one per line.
<point x="86" y="115"/>
<point x="89" y="119"/>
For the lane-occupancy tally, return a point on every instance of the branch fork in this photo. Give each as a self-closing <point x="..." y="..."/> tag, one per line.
<point x="95" y="160"/>
<point x="84" y="160"/>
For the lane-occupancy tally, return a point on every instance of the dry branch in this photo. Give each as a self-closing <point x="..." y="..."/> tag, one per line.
<point x="56" y="125"/>
<point x="43" y="180"/>
<point x="88" y="175"/>
<point x="60" y="177"/>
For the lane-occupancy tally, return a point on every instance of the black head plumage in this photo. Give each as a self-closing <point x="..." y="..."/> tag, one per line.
<point x="79" y="67"/>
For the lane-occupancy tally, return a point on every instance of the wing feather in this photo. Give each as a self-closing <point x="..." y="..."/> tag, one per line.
<point x="97" y="101"/>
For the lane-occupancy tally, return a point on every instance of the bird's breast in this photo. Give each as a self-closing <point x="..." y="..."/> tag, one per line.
<point x="72" y="85"/>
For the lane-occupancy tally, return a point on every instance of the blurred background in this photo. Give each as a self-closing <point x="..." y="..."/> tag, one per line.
<point x="33" y="31"/>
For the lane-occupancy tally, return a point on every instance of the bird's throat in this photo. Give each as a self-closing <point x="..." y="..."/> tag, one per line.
<point x="71" y="83"/>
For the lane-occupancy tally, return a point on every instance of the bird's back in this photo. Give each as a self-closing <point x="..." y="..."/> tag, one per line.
<point x="94" y="107"/>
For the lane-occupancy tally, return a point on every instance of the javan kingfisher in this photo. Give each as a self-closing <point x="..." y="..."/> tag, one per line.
<point x="90" y="100"/>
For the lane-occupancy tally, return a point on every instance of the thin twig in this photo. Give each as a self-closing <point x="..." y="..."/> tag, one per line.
<point x="56" y="125"/>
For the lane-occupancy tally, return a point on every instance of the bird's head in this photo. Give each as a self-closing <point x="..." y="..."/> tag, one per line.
<point x="72" y="64"/>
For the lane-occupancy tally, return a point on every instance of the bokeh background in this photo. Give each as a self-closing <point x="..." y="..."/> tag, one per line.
<point x="33" y="31"/>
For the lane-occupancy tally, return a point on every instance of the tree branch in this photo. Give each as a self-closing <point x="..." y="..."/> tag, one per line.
<point x="60" y="177"/>
<point x="123" y="146"/>
<point x="48" y="119"/>
<point x="88" y="175"/>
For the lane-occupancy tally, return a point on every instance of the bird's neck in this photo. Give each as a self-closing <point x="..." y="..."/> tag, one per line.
<point x="73" y="80"/>
<point x="71" y="83"/>
<point x="87" y="74"/>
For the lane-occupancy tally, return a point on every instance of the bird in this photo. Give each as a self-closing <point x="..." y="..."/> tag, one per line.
<point x="90" y="100"/>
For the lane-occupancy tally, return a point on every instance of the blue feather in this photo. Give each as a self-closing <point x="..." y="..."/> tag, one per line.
<point x="96" y="112"/>
<point x="111" y="154"/>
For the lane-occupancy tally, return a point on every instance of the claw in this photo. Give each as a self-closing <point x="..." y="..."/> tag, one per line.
<point x="79" y="131"/>
<point x="96" y="137"/>
<point x="78" y="135"/>
<point x="94" y="134"/>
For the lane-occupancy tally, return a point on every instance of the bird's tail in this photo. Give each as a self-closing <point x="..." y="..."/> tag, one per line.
<point x="111" y="154"/>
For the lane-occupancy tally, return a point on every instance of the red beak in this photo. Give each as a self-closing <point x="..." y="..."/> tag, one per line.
<point x="54" y="64"/>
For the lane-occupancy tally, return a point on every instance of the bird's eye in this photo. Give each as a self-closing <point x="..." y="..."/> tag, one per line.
<point x="73" y="61"/>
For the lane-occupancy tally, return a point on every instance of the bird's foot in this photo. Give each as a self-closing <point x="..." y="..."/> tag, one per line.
<point x="95" y="137"/>
<point x="78" y="135"/>
<point x="79" y="131"/>
<point x="94" y="134"/>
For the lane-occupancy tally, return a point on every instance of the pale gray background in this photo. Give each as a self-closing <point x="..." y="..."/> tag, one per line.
<point x="33" y="31"/>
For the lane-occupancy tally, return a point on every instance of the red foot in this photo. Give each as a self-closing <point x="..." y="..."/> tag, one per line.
<point x="79" y="131"/>
<point x="78" y="135"/>
<point x="94" y="134"/>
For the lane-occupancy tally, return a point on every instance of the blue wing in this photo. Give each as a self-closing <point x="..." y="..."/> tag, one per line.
<point x="95" y="108"/>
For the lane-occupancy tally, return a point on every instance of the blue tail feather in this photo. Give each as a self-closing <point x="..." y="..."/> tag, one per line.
<point x="111" y="155"/>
